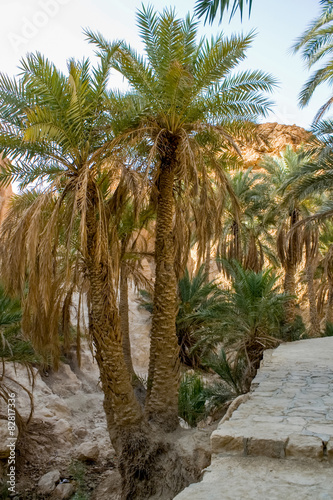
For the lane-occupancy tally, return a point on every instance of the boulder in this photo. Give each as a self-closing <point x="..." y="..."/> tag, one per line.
<point x="63" y="430"/>
<point x="87" y="452"/>
<point x="47" y="483"/>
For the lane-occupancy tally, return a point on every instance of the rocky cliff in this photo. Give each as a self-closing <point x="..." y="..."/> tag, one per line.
<point x="271" y="139"/>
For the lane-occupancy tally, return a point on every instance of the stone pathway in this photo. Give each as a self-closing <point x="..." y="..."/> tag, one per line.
<point x="279" y="443"/>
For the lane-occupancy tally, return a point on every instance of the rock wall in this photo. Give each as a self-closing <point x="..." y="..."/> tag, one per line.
<point x="271" y="139"/>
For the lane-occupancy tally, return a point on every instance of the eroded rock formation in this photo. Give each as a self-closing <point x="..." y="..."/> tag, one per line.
<point x="271" y="139"/>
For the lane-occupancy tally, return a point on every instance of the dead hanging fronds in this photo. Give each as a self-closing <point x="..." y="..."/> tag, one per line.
<point x="42" y="232"/>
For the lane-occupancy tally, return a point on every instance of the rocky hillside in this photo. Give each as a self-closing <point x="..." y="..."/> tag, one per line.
<point x="271" y="139"/>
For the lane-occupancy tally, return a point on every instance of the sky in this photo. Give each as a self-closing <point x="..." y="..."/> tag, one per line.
<point x="55" y="28"/>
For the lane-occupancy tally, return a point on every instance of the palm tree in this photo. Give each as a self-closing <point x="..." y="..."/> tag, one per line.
<point x="313" y="179"/>
<point x="209" y="8"/>
<point x="315" y="44"/>
<point x="181" y="91"/>
<point x="311" y="245"/>
<point x="289" y="211"/>
<point x="57" y="129"/>
<point x="325" y="294"/>
<point x="247" y="237"/>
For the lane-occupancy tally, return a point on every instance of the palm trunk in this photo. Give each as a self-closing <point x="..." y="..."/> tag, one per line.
<point x="104" y="326"/>
<point x="315" y="327"/>
<point x="329" y="310"/>
<point x="124" y="320"/>
<point x="163" y="376"/>
<point x="290" y="289"/>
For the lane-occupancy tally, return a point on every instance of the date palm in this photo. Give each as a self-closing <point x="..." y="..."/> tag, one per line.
<point x="247" y="239"/>
<point x="181" y="90"/>
<point x="289" y="210"/>
<point x="56" y="129"/>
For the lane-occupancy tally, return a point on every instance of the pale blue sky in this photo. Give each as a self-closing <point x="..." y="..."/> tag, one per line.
<point x="54" y="27"/>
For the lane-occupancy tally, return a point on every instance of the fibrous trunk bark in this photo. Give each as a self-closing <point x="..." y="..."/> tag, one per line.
<point x="290" y="289"/>
<point x="163" y="377"/>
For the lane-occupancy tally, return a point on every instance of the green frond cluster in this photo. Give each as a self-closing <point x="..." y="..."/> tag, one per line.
<point x="316" y="44"/>
<point x="211" y="8"/>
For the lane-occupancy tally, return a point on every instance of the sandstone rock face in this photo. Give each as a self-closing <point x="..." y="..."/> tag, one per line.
<point x="271" y="139"/>
<point x="64" y="382"/>
<point x="47" y="483"/>
<point x="140" y="324"/>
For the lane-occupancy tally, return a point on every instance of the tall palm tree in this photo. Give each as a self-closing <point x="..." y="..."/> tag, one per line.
<point x="209" y="8"/>
<point x="315" y="44"/>
<point x="311" y="246"/>
<point x="181" y="90"/>
<point x="315" y="178"/>
<point x="289" y="211"/>
<point x="247" y="238"/>
<point x="56" y="128"/>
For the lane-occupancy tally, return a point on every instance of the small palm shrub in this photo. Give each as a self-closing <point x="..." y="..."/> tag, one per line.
<point x="197" y="302"/>
<point x="289" y="332"/>
<point x="231" y="373"/>
<point x="192" y="399"/>
<point x="197" y="399"/>
<point x="249" y="318"/>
